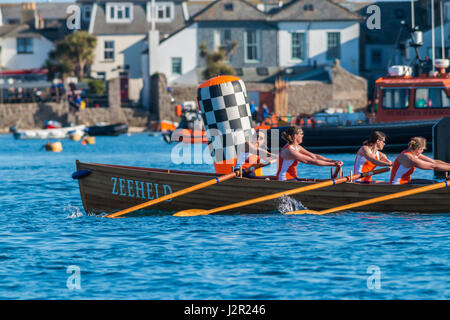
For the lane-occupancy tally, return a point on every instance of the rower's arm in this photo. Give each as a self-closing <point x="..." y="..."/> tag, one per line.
<point x="385" y="158"/>
<point x="427" y="159"/>
<point x="369" y="156"/>
<point x="421" y="164"/>
<point x="305" y="158"/>
<point x="266" y="155"/>
<point x="317" y="156"/>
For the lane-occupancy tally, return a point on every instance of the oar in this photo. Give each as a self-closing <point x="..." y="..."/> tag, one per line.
<point x="434" y="186"/>
<point x="198" y="212"/>
<point x="187" y="190"/>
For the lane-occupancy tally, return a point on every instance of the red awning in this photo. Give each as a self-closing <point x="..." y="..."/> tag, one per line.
<point x="36" y="71"/>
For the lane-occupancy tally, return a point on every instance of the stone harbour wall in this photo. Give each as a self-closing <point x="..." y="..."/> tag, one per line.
<point x="33" y="115"/>
<point x="30" y="115"/>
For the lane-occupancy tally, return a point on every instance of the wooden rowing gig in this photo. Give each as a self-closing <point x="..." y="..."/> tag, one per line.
<point x="109" y="188"/>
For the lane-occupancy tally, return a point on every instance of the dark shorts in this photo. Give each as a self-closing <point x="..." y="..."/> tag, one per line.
<point x="250" y="175"/>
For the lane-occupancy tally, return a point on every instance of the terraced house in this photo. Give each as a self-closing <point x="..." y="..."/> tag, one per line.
<point x="298" y="41"/>
<point x="28" y="32"/>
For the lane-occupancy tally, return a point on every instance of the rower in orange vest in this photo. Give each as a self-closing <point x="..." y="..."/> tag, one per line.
<point x="369" y="156"/>
<point x="412" y="158"/>
<point x="254" y="151"/>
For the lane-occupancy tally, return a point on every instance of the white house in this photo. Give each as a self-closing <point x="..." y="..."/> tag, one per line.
<point x="122" y="30"/>
<point x="306" y="44"/>
<point x="27" y="33"/>
<point x="316" y="33"/>
<point x="22" y="48"/>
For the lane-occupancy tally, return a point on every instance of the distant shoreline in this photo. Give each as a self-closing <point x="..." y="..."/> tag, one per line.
<point x="130" y="129"/>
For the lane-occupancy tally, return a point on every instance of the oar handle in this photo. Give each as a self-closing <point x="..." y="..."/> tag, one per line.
<point x="361" y="175"/>
<point x="258" y="166"/>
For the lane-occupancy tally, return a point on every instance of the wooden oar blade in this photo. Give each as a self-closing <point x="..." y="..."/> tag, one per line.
<point x="191" y="213"/>
<point x="303" y="212"/>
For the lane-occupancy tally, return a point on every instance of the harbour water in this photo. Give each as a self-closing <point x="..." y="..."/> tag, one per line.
<point x="50" y="248"/>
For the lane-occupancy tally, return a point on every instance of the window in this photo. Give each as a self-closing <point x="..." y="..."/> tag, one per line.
<point x="101" y="75"/>
<point x="108" y="53"/>
<point x="333" y="45"/>
<point x="177" y="67"/>
<point x="297" y="46"/>
<point x="251" y="41"/>
<point x="395" y="98"/>
<point x="239" y="71"/>
<point x="228" y="7"/>
<point x="376" y="57"/>
<point x="399" y="13"/>
<point x="87" y="11"/>
<point x="24" y="45"/>
<point x="447" y="11"/>
<point x="222" y="38"/>
<point x="164" y="11"/>
<point x="432" y="98"/>
<point x="263" y="71"/>
<point x="119" y="12"/>
<point x="438" y="52"/>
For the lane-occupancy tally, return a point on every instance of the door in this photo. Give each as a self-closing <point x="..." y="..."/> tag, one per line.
<point x="124" y="87"/>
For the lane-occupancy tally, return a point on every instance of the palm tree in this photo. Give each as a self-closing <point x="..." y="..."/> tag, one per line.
<point x="216" y="60"/>
<point x="76" y="50"/>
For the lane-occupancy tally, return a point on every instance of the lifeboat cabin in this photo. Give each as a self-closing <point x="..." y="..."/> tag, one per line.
<point x="402" y="97"/>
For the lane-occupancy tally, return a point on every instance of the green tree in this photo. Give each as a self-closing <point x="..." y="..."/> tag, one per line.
<point x="216" y="61"/>
<point x="75" y="51"/>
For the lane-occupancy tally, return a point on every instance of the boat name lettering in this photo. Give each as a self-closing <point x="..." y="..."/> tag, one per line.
<point x="139" y="189"/>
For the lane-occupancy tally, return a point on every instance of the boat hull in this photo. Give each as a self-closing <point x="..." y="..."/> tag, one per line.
<point x="350" y="138"/>
<point x="57" y="133"/>
<point x="110" y="188"/>
<point x="108" y="130"/>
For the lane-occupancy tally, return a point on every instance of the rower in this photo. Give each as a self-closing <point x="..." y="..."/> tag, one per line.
<point x="254" y="151"/>
<point x="412" y="158"/>
<point x="369" y="156"/>
<point x="293" y="153"/>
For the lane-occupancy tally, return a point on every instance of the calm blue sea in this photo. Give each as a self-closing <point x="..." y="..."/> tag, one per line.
<point x="50" y="248"/>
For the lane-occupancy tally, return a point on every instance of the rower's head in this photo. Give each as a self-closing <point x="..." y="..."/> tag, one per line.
<point x="259" y="138"/>
<point x="417" y="145"/>
<point x="377" y="139"/>
<point x="293" y="135"/>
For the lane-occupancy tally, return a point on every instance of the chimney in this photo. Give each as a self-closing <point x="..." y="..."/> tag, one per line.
<point x="28" y="14"/>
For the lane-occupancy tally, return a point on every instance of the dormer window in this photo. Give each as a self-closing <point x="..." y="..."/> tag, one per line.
<point x="119" y="12"/>
<point x="228" y="7"/>
<point x="164" y="11"/>
<point x="308" y="7"/>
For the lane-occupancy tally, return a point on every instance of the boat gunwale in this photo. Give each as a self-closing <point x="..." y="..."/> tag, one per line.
<point x="208" y="174"/>
<point x="187" y="173"/>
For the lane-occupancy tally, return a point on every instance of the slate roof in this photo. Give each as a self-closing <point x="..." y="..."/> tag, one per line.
<point x="323" y="10"/>
<point x="241" y="11"/>
<point x="52" y="10"/>
<point x="54" y="16"/>
<point x="18" y="31"/>
<point x="139" y="25"/>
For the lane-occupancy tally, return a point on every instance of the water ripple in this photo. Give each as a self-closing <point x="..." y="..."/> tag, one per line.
<point x="44" y="232"/>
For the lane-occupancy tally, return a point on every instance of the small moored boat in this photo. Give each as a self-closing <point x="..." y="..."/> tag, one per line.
<point x="109" y="188"/>
<point x="107" y="129"/>
<point x="56" y="133"/>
